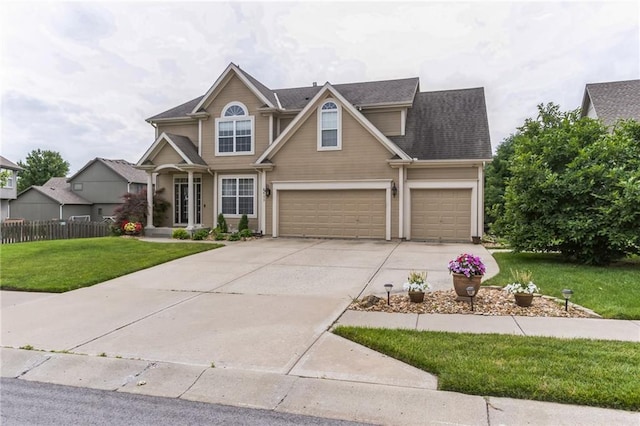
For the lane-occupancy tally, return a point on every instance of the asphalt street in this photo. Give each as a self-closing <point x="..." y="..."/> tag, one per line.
<point x="34" y="403"/>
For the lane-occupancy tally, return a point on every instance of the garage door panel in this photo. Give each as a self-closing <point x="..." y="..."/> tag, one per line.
<point x="332" y="213"/>
<point x="441" y="214"/>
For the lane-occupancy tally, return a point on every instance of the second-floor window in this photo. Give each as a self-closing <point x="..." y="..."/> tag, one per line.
<point x="329" y="123"/>
<point x="234" y="131"/>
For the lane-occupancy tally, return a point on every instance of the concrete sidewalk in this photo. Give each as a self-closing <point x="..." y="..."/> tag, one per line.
<point x="247" y="325"/>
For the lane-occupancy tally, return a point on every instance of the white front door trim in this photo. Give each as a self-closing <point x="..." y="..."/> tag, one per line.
<point x="331" y="185"/>
<point x="434" y="184"/>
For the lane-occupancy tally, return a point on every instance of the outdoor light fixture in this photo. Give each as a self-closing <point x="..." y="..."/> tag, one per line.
<point x="567" y="295"/>
<point x="471" y="291"/>
<point x="388" y="287"/>
<point x="394" y="189"/>
<point x="267" y="191"/>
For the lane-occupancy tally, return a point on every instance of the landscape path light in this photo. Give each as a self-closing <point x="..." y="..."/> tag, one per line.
<point x="388" y="287"/>
<point x="567" y="295"/>
<point x="471" y="291"/>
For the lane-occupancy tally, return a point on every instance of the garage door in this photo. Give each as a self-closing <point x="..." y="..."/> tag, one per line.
<point x="441" y="215"/>
<point x="335" y="213"/>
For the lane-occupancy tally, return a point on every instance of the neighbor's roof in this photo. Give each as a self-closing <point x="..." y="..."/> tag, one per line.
<point x="447" y="125"/>
<point x="369" y="93"/>
<point x="613" y="100"/>
<point x="9" y="165"/>
<point x="121" y="167"/>
<point x="58" y="189"/>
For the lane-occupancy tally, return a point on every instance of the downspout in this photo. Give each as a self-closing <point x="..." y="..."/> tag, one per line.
<point x="61" y="205"/>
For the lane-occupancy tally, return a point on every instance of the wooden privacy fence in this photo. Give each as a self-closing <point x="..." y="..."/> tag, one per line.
<point x="14" y="231"/>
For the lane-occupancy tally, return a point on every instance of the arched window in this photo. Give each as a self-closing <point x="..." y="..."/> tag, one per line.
<point x="329" y="126"/>
<point x="234" y="131"/>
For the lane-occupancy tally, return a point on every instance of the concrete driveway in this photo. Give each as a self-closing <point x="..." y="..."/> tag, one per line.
<point x="261" y="305"/>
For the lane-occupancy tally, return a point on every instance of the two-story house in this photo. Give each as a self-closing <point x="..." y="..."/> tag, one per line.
<point x="360" y="160"/>
<point x="92" y="193"/>
<point x="8" y="191"/>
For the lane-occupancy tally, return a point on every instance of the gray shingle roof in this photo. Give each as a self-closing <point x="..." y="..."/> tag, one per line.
<point x="615" y="100"/>
<point x="9" y="165"/>
<point x="58" y="189"/>
<point x="180" y="111"/>
<point x="359" y="94"/>
<point x="447" y="125"/>
<point x="125" y="169"/>
<point x="188" y="148"/>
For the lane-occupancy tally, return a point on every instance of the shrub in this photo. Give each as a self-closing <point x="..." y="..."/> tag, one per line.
<point x="244" y="223"/>
<point x="234" y="237"/>
<point x="180" y="234"/>
<point x="222" y="224"/>
<point x="220" y="237"/>
<point x="201" y="234"/>
<point x="246" y="233"/>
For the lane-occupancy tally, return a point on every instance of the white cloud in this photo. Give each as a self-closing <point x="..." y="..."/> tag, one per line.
<point x="80" y="78"/>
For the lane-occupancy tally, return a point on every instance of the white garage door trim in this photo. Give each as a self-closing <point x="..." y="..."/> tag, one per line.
<point x="331" y="185"/>
<point x="462" y="184"/>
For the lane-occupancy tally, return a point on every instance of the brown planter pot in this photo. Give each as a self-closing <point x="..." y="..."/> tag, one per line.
<point x="461" y="282"/>
<point x="523" y="299"/>
<point x="416" y="296"/>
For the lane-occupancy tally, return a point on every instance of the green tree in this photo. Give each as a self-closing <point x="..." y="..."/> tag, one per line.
<point x="497" y="175"/>
<point x="575" y="187"/>
<point x="4" y="177"/>
<point x="39" y="167"/>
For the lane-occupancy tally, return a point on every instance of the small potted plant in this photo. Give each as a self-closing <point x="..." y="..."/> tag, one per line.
<point x="416" y="286"/>
<point x="131" y="228"/>
<point x="467" y="270"/>
<point x="522" y="288"/>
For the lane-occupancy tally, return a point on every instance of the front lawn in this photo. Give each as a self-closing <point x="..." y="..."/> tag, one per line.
<point x="571" y="371"/>
<point x="612" y="291"/>
<point x="63" y="265"/>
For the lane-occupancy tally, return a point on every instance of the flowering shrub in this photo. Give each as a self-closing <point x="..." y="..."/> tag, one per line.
<point x="131" y="228"/>
<point x="468" y="265"/>
<point x="417" y="281"/>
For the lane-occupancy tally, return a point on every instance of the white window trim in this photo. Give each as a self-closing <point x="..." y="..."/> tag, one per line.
<point x="338" y="147"/>
<point x="11" y="177"/>
<point x="255" y="195"/>
<point x="222" y="118"/>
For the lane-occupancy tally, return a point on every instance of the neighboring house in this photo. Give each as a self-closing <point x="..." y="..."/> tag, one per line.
<point x="361" y="160"/>
<point x="9" y="191"/>
<point x="612" y="101"/>
<point x="94" y="191"/>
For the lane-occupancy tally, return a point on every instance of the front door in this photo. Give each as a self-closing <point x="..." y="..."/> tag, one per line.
<point x="181" y="200"/>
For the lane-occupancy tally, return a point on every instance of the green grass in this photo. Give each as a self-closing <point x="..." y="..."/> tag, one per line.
<point x="572" y="371"/>
<point x="612" y="291"/>
<point x="63" y="265"/>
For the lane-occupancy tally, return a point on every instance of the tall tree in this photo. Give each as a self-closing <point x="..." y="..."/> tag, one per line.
<point x="575" y="187"/>
<point x="497" y="175"/>
<point x="39" y="167"/>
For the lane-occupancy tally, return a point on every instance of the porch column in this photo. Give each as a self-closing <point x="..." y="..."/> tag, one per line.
<point x="190" y="201"/>
<point x="149" y="200"/>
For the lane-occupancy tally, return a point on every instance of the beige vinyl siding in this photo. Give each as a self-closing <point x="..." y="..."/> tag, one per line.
<point x="442" y="215"/>
<point x="234" y="90"/>
<point x="388" y="122"/>
<point x="186" y="129"/>
<point x="332" y="213"/>
<point x="167" y="155"/>
<point x="362" y="157"/>
<point x="284" y="122"/>
<point x="443" y="173"/>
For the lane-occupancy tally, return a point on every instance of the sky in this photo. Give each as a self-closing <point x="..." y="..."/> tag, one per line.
<point x="80" y="78"/>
